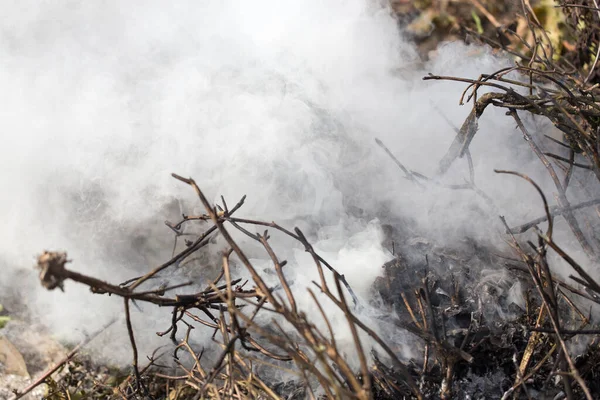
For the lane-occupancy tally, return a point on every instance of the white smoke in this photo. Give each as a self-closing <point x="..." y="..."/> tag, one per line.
<point x="279" y="100"/>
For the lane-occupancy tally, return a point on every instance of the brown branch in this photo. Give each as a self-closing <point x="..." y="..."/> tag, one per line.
<point x="554" y="211"/>
<point x="563" y="202"/>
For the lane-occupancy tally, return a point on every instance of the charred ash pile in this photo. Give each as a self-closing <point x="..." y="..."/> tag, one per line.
<point x="483" y="322"/>
<point x="474" y="331"/>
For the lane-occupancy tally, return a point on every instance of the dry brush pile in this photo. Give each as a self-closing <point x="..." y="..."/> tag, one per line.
<point x="548" y="349"/>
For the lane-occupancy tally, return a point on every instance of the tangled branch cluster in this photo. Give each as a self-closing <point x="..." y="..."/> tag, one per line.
<point x="224" y="306"/>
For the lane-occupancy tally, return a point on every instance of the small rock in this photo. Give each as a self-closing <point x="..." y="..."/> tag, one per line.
<point x="11" y="360"/>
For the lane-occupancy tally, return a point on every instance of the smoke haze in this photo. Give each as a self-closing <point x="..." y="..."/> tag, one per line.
<point x="279" y="100"/>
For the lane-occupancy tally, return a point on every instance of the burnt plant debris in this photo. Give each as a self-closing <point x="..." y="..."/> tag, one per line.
<point x="471" y="338"/>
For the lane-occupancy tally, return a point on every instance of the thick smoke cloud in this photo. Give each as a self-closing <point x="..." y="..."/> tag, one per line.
<point x="279" y="100"/>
